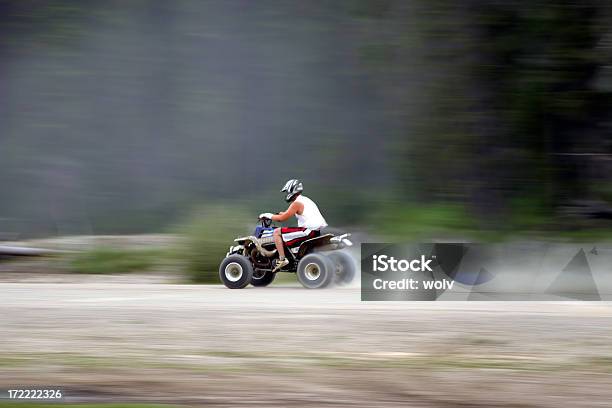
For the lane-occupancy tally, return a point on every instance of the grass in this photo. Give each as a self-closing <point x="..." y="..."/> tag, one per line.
<point x="6" y="361"/>
<point x="283" y="278"/>
<point x="112" y="260"/>
<point x="527" y="219"/>
<point x="206" y="236"/>
<point x="208" y="233"/>
<point x="407" y="222"/>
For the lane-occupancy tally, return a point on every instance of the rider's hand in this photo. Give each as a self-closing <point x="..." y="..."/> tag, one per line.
<point x="265" y="215"/>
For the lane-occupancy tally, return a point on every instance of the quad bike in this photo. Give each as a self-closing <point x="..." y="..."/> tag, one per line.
<point x="316" y="261"/>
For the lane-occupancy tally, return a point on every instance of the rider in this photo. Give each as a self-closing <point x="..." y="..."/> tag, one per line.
<point x="310" y="221"/>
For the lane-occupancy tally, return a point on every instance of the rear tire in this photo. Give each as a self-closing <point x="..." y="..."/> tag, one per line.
<point x="345" y="267"/>
<point x="315" y="271"/>
<point x="236" y="271"/>
<point x="264" y="279"/>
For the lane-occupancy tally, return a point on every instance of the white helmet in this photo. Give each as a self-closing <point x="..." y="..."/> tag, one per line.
<point x="292" y="188"/>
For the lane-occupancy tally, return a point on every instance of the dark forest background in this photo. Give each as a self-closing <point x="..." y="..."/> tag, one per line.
<point x="482" y="115"/>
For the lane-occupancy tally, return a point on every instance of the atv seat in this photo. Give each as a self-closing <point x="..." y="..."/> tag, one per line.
<point x="321" y="240"/>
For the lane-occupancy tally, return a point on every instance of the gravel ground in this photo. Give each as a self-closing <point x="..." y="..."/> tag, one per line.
<point x="286" y="346"/>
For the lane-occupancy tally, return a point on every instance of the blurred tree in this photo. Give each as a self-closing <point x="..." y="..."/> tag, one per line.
<point x="517" y="114"/>
<point x="122" y="115"/>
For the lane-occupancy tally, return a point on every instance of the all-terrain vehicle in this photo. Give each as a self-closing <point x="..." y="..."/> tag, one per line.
<point x="317" y="261"/>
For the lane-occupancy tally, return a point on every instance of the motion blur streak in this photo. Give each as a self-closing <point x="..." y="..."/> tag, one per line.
<point x="139" y="138"/>
<point x="124" y="116"/>
<point x="282" y="346"/>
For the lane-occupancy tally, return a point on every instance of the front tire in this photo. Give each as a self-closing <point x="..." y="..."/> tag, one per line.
<point x="263" y="278"/>
<point x="315" y="271"/>
<point x="236" y="271"/>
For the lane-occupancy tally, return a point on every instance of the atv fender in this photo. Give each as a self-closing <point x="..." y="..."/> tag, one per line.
<point x="311" y="243"/>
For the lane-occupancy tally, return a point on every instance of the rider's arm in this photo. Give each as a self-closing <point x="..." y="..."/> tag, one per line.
<point x="295" y="207"/>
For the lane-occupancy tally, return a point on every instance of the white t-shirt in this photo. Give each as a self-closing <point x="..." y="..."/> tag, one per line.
<point x="311" y="216"/>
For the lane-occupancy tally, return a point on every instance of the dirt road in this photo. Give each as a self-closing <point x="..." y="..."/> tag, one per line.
<point x="286" y="346"/>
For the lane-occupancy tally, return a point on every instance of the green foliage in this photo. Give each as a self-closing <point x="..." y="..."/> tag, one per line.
<point x="529" y="213"/>
<point x="208" y="233"/>
<point x="409" y="222"/>
<point x="112" y="260"/>
<point x="521" y="88"/>
<point x="448" y="101"/>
